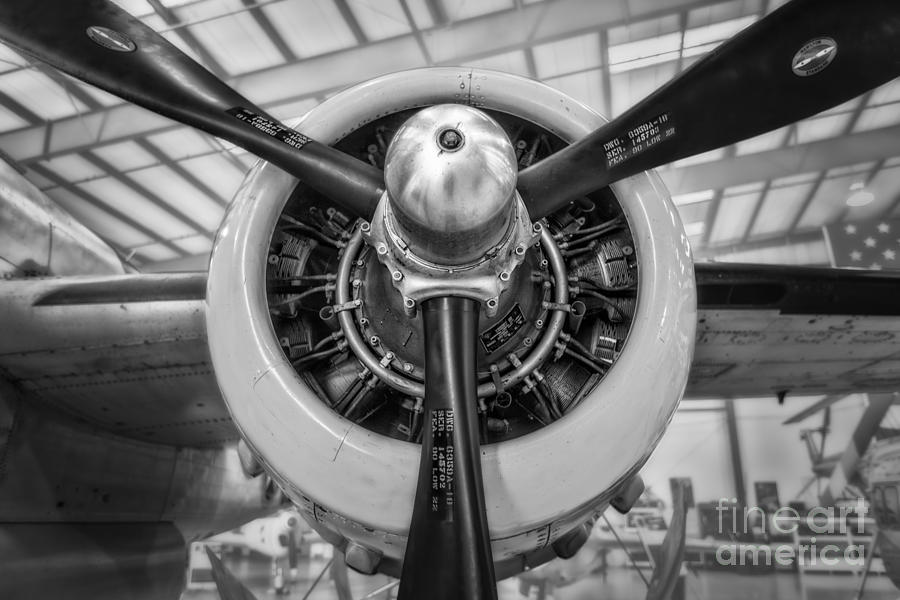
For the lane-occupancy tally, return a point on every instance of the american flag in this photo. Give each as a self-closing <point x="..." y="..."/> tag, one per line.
<point x="865" y="244"/>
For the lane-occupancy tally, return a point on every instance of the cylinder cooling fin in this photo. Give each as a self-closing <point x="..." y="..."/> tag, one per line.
<point x="582" y="357"/>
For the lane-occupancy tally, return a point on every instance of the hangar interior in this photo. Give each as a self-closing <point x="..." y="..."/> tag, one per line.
<point x="156" y="190"/>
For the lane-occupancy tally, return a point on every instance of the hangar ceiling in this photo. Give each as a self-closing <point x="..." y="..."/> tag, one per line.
<point x="157" y="190"/>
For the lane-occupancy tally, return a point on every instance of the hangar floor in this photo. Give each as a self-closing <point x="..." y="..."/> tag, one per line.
<point x="619" y="583"/>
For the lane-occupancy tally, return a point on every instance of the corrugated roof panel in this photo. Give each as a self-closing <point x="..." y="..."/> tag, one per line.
<point x="762" y="143"/>
<point x="508" y="62"/>
<point x="196" y="244"/>
<point x="381" y="20"/>
<point x="632" y="86"/>
<point x="586" y="87"/>
<point x="779" y="208"/>
<point x="878" y="116"/>
<point x="98" y="220"/>
<point x="122" y="197"/>
<point x="310" y="28"/>
<point x="567" y="56"/>
<point x="457" y="11"/>
<point x="180" y="195"/>
<point x="829" y="203"/>
<point x="40" y="94"/>
<point x="125" y="156"/>
<point x="73" y="167"/>
<point x="236" y="42"/>
<point x="216" y="171"/>
<point x="820" y="128"/>
<point x="732" y="217"/>
<point x="181" y="143"/>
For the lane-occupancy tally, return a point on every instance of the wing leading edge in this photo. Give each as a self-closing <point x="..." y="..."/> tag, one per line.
<point x="763" y="330"/>
<point x="125" y="353"/>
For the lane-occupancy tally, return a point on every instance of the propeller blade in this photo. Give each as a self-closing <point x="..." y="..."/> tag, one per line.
<point x="803" y="58"/>
<point x="668" y="567"/>
<point x="227" y="585"/>
<point x="448" y="555"/>
<point x="101" y="44"/>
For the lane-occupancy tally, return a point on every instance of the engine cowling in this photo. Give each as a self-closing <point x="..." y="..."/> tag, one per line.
<point x="324" y="387"/>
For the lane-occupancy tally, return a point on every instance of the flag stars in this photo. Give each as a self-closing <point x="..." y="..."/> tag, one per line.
<point x="850" y="229"/>
<point x="856" y="255"/>
<point x="884" y="228"/>
<point x="869" y="242"/>
<point x="889" y="254"/>
<point x="875" y="266"/>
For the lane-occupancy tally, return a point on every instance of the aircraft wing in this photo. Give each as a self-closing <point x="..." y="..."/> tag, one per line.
<point x="125" y="353"/>
<point x="763" y="330"/>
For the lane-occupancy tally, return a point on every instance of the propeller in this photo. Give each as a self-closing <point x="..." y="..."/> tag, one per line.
<point x="803" y="58"/>
<point x="103" y="45"/>
<point x="449" y="548"/>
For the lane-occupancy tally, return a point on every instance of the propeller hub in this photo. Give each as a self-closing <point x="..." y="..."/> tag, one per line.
<point x="450" y="173"/>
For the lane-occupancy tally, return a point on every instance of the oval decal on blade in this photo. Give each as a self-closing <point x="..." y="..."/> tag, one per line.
<point x="814" y="56"/>
<point x="110" y="39"/>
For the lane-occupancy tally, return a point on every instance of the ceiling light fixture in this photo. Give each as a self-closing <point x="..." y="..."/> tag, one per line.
<point x="859" y="195"/>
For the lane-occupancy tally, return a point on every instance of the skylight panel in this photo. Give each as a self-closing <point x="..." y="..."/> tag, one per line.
<point x="779" y="208"/>
<point x="732" y="217"/>
<point x="40" y="94"/>
<point x="585" y="87"/>
<point x="182" y="142"/>
<point x="820" y="128"/>
<point x="74" y="168"/>
<point x="125" y="156"/>
<point x="681" y="200"/>
<point x="650" y="51"/>
<point x="457" y="11"/>
<point x="567" y="56"/>
<point x="217" y="172"/>
<point x="310" y="28"/>
<point x="97" y="220"/>
<point x="236" y="42"/>
<point x="116" y="194"/>
<point x="380" y="19"/>
<point x="179" y="194"/>
<point x="762" y="143"/>
<point x="877" y="117"/>
<point x="508" y="62"/>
